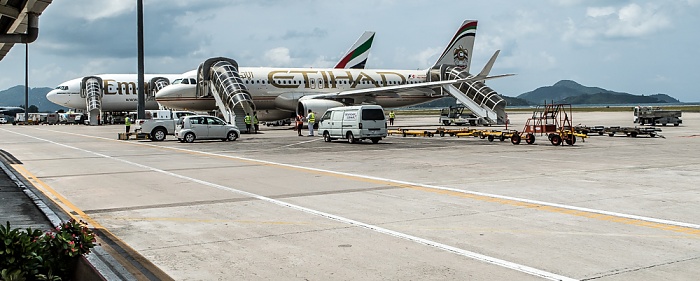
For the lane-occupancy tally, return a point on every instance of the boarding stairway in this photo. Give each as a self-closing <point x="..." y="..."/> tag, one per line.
<point x="483" y="101"/>
<point x="91" y="91"/>
<point x="218" y="77"/>
<point x="155" y="85"/>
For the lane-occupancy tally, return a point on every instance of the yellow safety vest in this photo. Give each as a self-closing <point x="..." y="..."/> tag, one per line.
<point x="255" y="119"/>
<point x="127" y="121"/>
<point x="312" y="117"/>
<point x="247" y="119"/>
<point x="392" y="115"/>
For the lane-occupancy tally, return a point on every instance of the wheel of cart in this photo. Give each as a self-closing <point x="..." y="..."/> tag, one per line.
<point x="490" y="137"/>
<point x="555" y="139"/>
<point x="530" y="138"/>
<point x="515" y="138"/>
<point x="570" y="139"/>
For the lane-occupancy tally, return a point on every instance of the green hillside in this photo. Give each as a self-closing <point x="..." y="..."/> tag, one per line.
<point x="37" y="96"/>
<point x="567" y="91"/>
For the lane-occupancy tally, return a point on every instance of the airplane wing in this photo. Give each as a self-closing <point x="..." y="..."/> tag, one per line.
<point x="393" y="91"/>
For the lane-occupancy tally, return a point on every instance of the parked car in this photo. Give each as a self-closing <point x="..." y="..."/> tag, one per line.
<point x="200" y="127"/>
<point x="3" y="120"/>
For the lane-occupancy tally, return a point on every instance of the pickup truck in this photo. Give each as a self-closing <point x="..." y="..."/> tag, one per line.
<point x="159" y="123"/>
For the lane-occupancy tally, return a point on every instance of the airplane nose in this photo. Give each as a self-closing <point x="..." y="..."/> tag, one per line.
<point x="54" y="97"/>
<point x="51" y="96"/>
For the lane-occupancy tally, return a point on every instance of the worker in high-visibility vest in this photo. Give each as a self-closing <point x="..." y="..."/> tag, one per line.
<point x="311" y="118"/>
<point x="255" y="121"/>
<point x="127" y="122"/>
<point x="392" y="115"/>
<point x="247" y="122"/>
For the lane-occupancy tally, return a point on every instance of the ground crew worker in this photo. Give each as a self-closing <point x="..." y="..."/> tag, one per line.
<point x="247" y="122"/>
<point x="127" y="122"/>
<point x="392" y="115"/>
<point x="255" y="121"/>
<point x="311" y="118"/>
<point x="300" y="123"/>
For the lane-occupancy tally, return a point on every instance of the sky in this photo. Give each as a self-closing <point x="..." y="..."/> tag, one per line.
<point x="637" y="47"/>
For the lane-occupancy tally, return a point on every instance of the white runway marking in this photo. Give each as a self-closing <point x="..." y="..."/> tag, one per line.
<point x="455" y="250"/>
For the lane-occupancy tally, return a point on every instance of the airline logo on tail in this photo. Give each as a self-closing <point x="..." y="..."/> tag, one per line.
<point x="356" y="57"/>
<point x="461" y="57"/>
<point x="460" y="46"/>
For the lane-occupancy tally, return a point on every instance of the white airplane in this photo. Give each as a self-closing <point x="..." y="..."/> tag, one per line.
<point x="280" y="93"/>
<point x="120" y="91"/>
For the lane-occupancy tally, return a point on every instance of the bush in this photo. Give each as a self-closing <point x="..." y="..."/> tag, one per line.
<point x="34" y="255"/>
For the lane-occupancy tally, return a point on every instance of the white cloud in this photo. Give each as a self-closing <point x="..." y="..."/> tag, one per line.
<point x="600" y="11"/>
<point x="278" y="57"/>
<point x="426" y="58"/>
<point x="87" y="9"/>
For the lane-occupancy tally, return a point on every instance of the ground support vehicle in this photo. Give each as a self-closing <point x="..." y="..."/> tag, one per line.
<point x="456" y="115"/>
<point x="633" y="131"/>
<point x="282" y="122"/>
<point x="158" y="124"/>
<point x="554" y="121"/>
<point x="655" y="115"/>
<point x="354" y="123"/>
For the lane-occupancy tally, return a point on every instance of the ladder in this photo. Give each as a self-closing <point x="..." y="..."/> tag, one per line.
<point x="91" y="91"/>
<point x="483" y="101"/>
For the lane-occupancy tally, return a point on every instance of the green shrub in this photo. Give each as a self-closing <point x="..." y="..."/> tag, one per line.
<point x="34" y="255"/>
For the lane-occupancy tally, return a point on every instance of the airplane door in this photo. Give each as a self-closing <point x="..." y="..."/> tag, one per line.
<point x="312" y="83"/>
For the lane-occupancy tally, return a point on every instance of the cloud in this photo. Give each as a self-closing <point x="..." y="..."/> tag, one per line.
<point x="314" y="33"/>
<point x="278" y="57"/>
<point x="628" y="21"/>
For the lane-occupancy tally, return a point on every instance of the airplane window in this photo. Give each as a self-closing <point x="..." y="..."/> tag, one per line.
<point x="193" y="81"/>
<point x="177" y="81"/>
<point x="185" y="81"/>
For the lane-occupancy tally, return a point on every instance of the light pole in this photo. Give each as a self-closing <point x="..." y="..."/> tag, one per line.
<point x="26" y="83"/>
<point x="141" y="108"/>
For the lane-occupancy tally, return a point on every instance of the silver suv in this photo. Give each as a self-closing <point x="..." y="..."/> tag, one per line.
<point x="202" y="127"/>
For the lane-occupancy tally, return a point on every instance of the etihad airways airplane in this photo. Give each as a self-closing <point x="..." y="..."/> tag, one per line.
<point x="120" y="91"/>
<point x="279" y="93"/>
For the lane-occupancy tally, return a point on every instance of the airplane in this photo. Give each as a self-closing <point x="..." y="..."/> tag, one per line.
<point x="120" y="91"/>
<point x="279" y="93"/>
<point x="10" y="110"/>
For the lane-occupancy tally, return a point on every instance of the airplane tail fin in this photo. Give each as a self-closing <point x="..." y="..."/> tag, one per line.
<point x="356" y="56"/>
<point x="459" y="50"/>
<point x="487" y="68"/>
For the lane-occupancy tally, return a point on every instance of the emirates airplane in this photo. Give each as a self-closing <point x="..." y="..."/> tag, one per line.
<point x="120" y="91"/>
<point x="280" y="93"/>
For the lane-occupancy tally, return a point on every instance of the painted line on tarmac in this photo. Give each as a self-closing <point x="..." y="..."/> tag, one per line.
<point x="126" y="255"/>
<point x="655" y="223"/>
<point x="448" y="248"/>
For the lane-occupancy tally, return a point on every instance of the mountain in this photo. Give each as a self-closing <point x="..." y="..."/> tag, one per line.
<point x="567" y="91"/>
<point x="37" y="96"/>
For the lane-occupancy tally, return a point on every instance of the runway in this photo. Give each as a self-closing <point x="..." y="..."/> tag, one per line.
<point x="278" y="206"/>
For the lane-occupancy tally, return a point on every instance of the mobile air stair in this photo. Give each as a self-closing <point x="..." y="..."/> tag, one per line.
<point x="218" y="77"/>
<point x="91" y="91"/>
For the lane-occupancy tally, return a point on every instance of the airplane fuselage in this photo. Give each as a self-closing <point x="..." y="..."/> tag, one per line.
<point x="120" y="92"/>
<point x="266" y="85"/>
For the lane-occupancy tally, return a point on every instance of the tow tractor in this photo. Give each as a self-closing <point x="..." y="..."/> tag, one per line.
<point x="455" y="115"/>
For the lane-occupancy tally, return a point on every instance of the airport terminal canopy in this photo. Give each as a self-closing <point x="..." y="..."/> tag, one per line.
<point x="14" y="18"/>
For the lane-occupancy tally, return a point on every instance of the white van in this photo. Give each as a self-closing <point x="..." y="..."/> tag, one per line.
<point x="354" y="123"/>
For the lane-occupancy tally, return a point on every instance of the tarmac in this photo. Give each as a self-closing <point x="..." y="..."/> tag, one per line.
<point x="275" y="206"/>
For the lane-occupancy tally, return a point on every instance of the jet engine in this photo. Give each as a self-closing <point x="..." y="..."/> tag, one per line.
<point x="318" y="106"/>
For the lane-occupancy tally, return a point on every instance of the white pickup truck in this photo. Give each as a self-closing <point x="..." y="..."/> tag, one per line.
<point x="159" y="123"/>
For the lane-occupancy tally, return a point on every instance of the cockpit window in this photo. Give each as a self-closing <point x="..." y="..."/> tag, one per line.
<point x="65" y="88"/>
<point x="177" y="81"/>
<point x="192" y="81"/>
